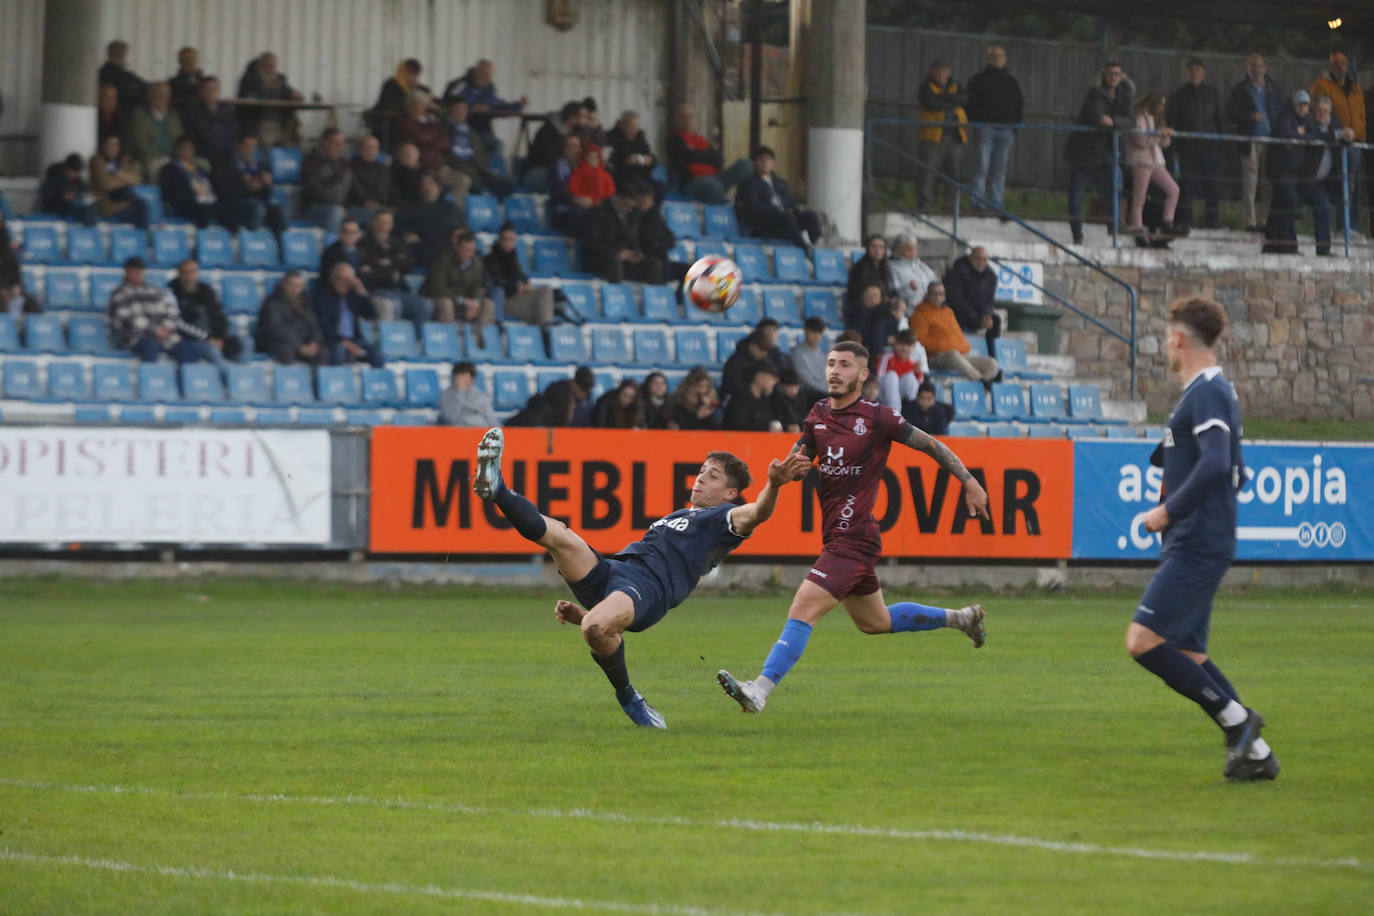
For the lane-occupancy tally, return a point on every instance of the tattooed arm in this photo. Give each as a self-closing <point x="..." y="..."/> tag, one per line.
<point x="974" y="495"/>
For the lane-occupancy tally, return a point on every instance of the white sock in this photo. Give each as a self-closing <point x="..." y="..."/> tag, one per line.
<point x="954" y="617"/>
<point x="1259" y="750"/>
<point x="764" y="685"/>
<point x="1233" y="714"/>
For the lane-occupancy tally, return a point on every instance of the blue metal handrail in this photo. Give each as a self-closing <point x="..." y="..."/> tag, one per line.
<point x="953" y="234"/>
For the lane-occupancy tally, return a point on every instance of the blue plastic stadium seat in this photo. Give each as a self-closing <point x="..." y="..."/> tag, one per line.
<point x="422" y="388"/>
<point x="823" y="303"/>
<point x="228" y="416"/>
<point x="158" y="382"/>
<point x="498" y="165"/>
<point x="139" y="415"/>
<point x="1081" y="431"/>
<point x="183" y="414"/>
<point x="441" y="341"/>
<point x="397" y="340"/>
<point x="789" y="263"/>
<point x="103" y="285"/>
<point x="546" y="377"/>
<point x="752" y="261"/>
<point x="239" y="293"/>
<point x="651" y="347"/>
<point x="830" y="266"/>
<point x="683" y="219"/>
<point x="1011" y="359"/>
<point x="315" y="416"/>
<point x="151" y="194"/>
<point x="413" y="418"/>
<point x="1004" y="431"/>
<point x="727" y="339"/>
<point x="9" y="334"/>
<point x="1046" y="431"/>
<point x="127" y="242"/>
<point x="660" y="304"/>
<point x="273" y="416"/>
<point x="67" y="381"/>
<point x="692" y="347"/>
<point x="618" y="302"/>
<point x="248" y="384"/>
<point x="200" y="382"/>
<point x="484" y="347"/>
<point x="747" y="309"/>
<point x="522" y="211"/>
<point x="336" y="385"/>
<point x="285" y="164"/>
<point x="41" y="245"/>
<point x="64" y="288"/>
<point x="681" y="253"/>
<point x="608" y="346"/>
<point x="511" y="389"/>
<point x="170" y="246"/>
<point x="583" y="298"/>
<point x="22" y="380"/>
<point x="704" y="248"/>
<point x="1009" y="402"/>
<point x="362" y="416"/>
<point x="483" y="212"/>
<point x="566" y="344"/>
<point x="88" y="334"/>
<point x="85" y="245"/>
<point x="1120" y="432"/>
<point x="215" y="247"/>
<point x="970" y="400"/>
<point x="90" y="413"/>
<point x="964" y="429"/>
<point x="525" y="344"/>
<point x="300" y="249"/>
<point x="112" y="382"/>
<point x="292" y="385"/>
<point x="258" y="248"/>
<point x="1046" y="401"/>
<point x="781" y="305"/>
<point x="380" y="388"/>
<point x="43" y="334"/>
<point x="978" y="345"/>
<point x="720" y="222"/>
<point x="1085" y="405"/>
<point x="551" y="258"/>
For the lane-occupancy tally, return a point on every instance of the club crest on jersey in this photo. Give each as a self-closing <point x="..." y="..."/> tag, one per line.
<point x="859" y="427"/>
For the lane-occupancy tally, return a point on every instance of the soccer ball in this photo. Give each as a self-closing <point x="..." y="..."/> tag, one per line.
<point x="713" y="283"/>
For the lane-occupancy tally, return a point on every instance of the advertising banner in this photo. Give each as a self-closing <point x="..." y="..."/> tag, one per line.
<point x="203" y="486"/>
<point x="609" y="485"/>
<point x="1295" y="503"/>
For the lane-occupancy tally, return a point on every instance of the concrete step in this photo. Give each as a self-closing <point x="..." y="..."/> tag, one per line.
<point x="1132" y="412"/>
<point x="1061" y="366"/>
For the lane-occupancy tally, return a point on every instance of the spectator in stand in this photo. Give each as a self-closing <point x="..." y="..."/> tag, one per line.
<point x="185" y="83"/>
<point x="1109" y="105"/>
<point x="938" y="145"/>
<point x="658" y="405"/>
<point x="771" y="331"/>
<point x="469" y="151"/>
<point x="656" y="240"/>
<point x="792" y="401"/>
<point x="1196" y="107"/>
<point x="484" y="104"/>
<point x="873" y="269"/>
<point x="592" y="132"/>
<point x="14" y="299"/>
<point x="1338" y="83"/>
<point x="144" y="320"/>
<point x="549" y="144"/>
<point x="749" y="351"/>
<point x="372" y="187"/>
<point x="767" y="209"/>
<point x="590" y="180"/>
<point x="876" y="319"/>
<point x="431" y="138"/>
<point x="971" y="286"/>
<point x="425" y="226"/>
<point x="113" y="178"/>
<point x="110" y="119"/>
<point x="620" y="408"/>
<point x="212" y="125"/>
<point x="522" y="301"/>
<point x="631" y="158"/>
<point x="405" y="174"/>
<point x="612" y="247"/>
<point x="697" y="165"/>
<point x="187" y="191"/>
<point x="458" y="283"/>
<point x="910" y="275"/>
<point x="287" y="328"/>
<point x="552" y="407"/>
<point x="1323" y="188"/>
<point x="995" y="102"/>
<point x="751" y="407"/>
<point x="200" y="307"/>
<point x="152" y="129"/>
<point x="326" y="180"/>
<point x="341" y="303"/>
<point x="64" y="193"/>
<point x="901" y="370"/>
<point x="384" y="263"/>
<point x="695" y="402"/>
<point x="937" y="329"/>
<point x="1145" y="159"/>
<point x="463" y="403"/>
<point x="1253" y="106"/>
<point x="1287" y="172"/>
<point x="391" y="101"/>
<point x="926" y="413"/>
<point x="247" y="191"/>
<point x="566" y="211"/>
<point x="808" y="356"/>
<point x="129" y="86"/>
<point x="273" y="125"/>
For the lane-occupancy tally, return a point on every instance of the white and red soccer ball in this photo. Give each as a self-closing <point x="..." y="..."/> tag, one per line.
<point x="713" y="283"/>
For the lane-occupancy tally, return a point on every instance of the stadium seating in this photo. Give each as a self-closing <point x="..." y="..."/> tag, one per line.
<point x="726" y="341"/>
<point x="336" y="385"/>
<point x="1046" y="401"/>
<point x="1003" y="430"/>
<point x="752" y="261"/>
<point x="23" y="380"/>
<point x="292" y="385"/>
<point x="1121" y="432"/>
<point x="67" y="381"/>
<point x="170" y="246"/>
<point x="1011" y="359"/>
<point x="422" y="388"/>
<point x="139" y="416"/>
<point x="964" y="428"/>
<point x="215" y="247"/>
<point x="185" y="415"/>
<point x="681" y="253"/>
<point x="483" y="213"/>
<point x="1009" y="402"/>
<point x="822" y="303"/>
<point x="300" y="249"/>
<point x="483" y="347"/>
<point x="551" y="258"/>
<point x="85" y="245"/>
<point x="258" y="248"/>
<point x="583" y="298"/>
<point x="92" y="413"/>
<point x="682" y="218"/>
<point x="158" y="382"/>
<point x="273" y="416"/>
<point x="285" y="164"/>
<point x="511" y="389"/>
<point x="397" y="339"/>
<point x="1046" y="431"/>
<point x="704" y="248"/>
<point x="9" y="334"/>
<point x="103" y="285"/>
<point x="830" y="266"/>
<point x="379" y="388"/>
<point x="228" y="416"/>
<point x="127" y="242"/>
<point x="720" y="222"/>
<point x="112" y="382"/>
<point x="566" y="344"/>
<point x="441" y="341"/>
<point x="747" y="309"/>
<point x="315" y="416"/>
<point x="88" y="334"/>
<point x="978" y="345"/>
<point x="522" y="211"/>
<point x="362" y="416"/>
<point x="43" y="334"/>
<point x="781" y="305"/>
<point x="1085" y="403"/>
<point x="239" y="294"/>
<point x="41" y="244"/>
<point x="1081" y="431"/>
<point x="248" y="384"/>
<point x="651" y="347"/>
<point x="789" y="263"/>
<point x="618" y="302"/>
<point x="64" y="288"/>
<point x="608" y="346"/>
<point x="525" y="344"/>
<point x="970" y="400"/>
<point x="200" y="382"/>
<point x="660" y="304"/>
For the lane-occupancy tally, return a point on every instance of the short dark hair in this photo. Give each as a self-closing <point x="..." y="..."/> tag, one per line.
<point x="905" y="336"/>
<point x="1204" y="318"/>
<point x="466" y="236"/>
<point x="760" y="367"/>
<point x="74" y="162"/>
<point x="412" y="64"/>
<point x="926" y="385"/>
<point x="329" y="132"/>
<point x="1112" y="63"/>
<point x="765" y="323"/>
<point x="570" y="110"/>
<point x="585" y="378"/>
<point x="852" y="346"/>
<point x="756" y="339"/>
<point x="116" y="45"/>
<point x="815" y="323"/>
<point x="736" y="471"/>
<point x="506" y="227"/>
<point x="184" y="138"/>
<point x="465" y="367"/>
<point x="849" y="334"/>
<point x="763" y="151"/>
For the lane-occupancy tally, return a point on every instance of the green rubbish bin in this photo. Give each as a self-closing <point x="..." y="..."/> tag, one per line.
<point x="1039" y="319"/>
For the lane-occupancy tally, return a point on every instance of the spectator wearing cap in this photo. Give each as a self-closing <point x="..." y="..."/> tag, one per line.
<point x="792" y="400"/>
<point x="808" y="356"/>
<point x="1196" y="107"/>
<point x="901" y="370"/>
<point x="926" y="413"/>
<point x="62" y="192"/>
<point x="697" y="165"/>
<point x="548" y="146"/>
<point x="1253" y="106"/>
<point x="484" y="103"/>
<point x="995" y="104"/>
<point x="766" y="208"/>
<point x="1287" y="167"/>
<point x="145" y="320"/>
<point x="463" y="403"/>
<point x="751" y="405"/>
<point x="613" y="249"/>
<point x="938" y="143"/>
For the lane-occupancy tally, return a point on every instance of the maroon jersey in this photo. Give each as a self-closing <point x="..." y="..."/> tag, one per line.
<point x="851" y="446"/>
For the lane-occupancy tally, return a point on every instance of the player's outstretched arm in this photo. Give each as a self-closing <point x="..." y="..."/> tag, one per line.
<point x="746" y="518"/>
<point x="974" y="494"/>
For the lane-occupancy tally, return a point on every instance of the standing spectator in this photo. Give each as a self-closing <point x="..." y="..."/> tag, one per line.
<point x="246" y="191"/>
<point x="326" y="180"/>
<point x="344" y="248"/>
<point x="937" y="146"/>
<point x="128" y="85"/>
<point x="910" y="275"/>
<point x="995" y="104"/>
<point x="1347" y="107"/>
<point x="384" y="263"/>
<point x="567" y="210"/>
<point x="187" y="191"/>
<point x="1253" y="105"/>
<point x="145" y="320"/>
<point x="592" y="132"/>
<point x="590" y="180"/>
<point x="431" y="138"/>
<point x="14" y="299"/>
<point x="971" y="286"/>
<point x="926" y="413"/>
<point x="458" y="284"/>
<point x="792" y="401"/>
<point x="1109" y="105"/>
<point x="631" y="158"/>
<point x="697" y="165"/>
<point x="273" y="125"/>
<point x="876" y="319"/>
<point x="372" y="187"/>
<point x="64" y="193"/>
<point x="391" y="100"/>
<point x="476" y="88"/>
<point x="1196" y="107"/>
<point x="1287" y="172"/>
<point x="522" y="302"/>
<point x="767" y="209"/>
<point x="463" y="403"/>
<point x="469" y="151"/>
<point x="873" y="269"/>
<point x="186" y="81"/>
<point x="620" y="408"/>
<point x="549" y="143"/>
<point x="405" y="173"/>
<point x="658" y="406"/>
<point x="212" y="125"/>
<point x="1145" y="158"/>
<point x="901" y="370"/>
<point x="808" y="356"/>
<point x="751" y="406"/>
<point x="113" y="178"/>
<point x="152" y="129"/>
<point x="425" y="226"/>
<point x="287" y="328"/>
<point x="200" y="307"/>
<point x="937" y="329"/>
<point x="110" y="119"/>
<point x="1323" y="171"/>
<point x="695" y="402"/>
<point x="613" y="251"/>
<point x="341" y="303"/>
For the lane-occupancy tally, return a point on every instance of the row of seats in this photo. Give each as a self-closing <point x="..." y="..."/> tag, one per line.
<point x="1046" y="403"/>
<point x="181" y="414"/>
<point x="1045" y="431"/>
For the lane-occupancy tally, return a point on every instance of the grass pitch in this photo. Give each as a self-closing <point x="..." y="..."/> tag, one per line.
<point x="259" y="747"/>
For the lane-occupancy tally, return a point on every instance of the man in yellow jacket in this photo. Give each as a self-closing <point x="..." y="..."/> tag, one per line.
<point x="938" y="145"/>
<point x="1347" y="105"/>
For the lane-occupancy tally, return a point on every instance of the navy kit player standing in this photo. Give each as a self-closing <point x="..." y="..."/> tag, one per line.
<point x="850" y="439"/>
<point x="633" y="589"/>
<point x="1202" y="472"/>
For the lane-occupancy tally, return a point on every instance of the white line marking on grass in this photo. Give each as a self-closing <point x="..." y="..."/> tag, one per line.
<point x="739" y="824"/>
<point x="333" y="882"/>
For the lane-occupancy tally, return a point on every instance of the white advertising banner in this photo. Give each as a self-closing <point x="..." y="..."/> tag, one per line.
<point x="1018" y="281"/>
<point x="204" y="486"/>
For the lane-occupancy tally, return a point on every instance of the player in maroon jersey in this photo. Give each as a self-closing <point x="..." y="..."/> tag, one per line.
<point x="850" y="439"/>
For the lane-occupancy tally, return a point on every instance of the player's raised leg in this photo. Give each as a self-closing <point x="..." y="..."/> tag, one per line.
<point x="602" y="627"/>
<point x="872" y="615"/>
<point x="809" y="605"/>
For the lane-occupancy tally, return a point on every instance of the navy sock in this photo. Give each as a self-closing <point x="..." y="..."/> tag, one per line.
<point x="523" y="514"/>
<point x="908" y="616"/>
<point x="787" y="650"/>
<point x="1185" y="676"/>
<point x="616" y="673"/>
<point x="1210" y="667"/>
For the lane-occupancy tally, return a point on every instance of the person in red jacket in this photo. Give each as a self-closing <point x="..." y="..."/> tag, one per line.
<point x="697" y="165"/>
<point x="590" y="179"/>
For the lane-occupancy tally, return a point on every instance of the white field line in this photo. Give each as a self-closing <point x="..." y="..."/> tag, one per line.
<point x="738" y="824"/>
<point x="333" y="882"/>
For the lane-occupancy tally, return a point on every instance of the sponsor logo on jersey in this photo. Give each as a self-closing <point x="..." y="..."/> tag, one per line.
<point x="677" y="524"/>
<point x="1143" y="610"/>
<point x="820" y="426"/>
<point x="817" y="572"/>
<point x="835" y="455"/>
<point x="859" y="427"/>
<point x="846" y="515"/>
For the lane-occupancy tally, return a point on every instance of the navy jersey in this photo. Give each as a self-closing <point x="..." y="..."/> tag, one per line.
<point x="1208" y="402"/>
<point x="683" y="546"/>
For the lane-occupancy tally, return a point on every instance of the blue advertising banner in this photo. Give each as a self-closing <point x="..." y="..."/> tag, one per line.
<point x="1296" y="504"/>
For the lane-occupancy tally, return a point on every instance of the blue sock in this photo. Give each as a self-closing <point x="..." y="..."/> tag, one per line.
<point x="910" y="616"/>
<point x="787" y="650"/>
<point x="522" y="513"/>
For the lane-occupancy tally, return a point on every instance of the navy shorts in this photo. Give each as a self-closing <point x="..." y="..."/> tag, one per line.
<point x="1177" y="603"/>
<point x="845" y="567"/>
<point x="630" y="576"/>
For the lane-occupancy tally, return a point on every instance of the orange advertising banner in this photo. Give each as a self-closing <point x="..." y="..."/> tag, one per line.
<point x="609" y="485"/>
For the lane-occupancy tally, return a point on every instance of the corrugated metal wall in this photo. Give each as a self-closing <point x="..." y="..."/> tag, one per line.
<point x="344" y="49"/>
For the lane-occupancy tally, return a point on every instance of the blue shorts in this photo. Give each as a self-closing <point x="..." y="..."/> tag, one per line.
<point x="630" y="576"/>
<point x="1177" y="603"/>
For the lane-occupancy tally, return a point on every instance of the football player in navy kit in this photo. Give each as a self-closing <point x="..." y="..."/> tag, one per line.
<point x="633" y="589"/>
